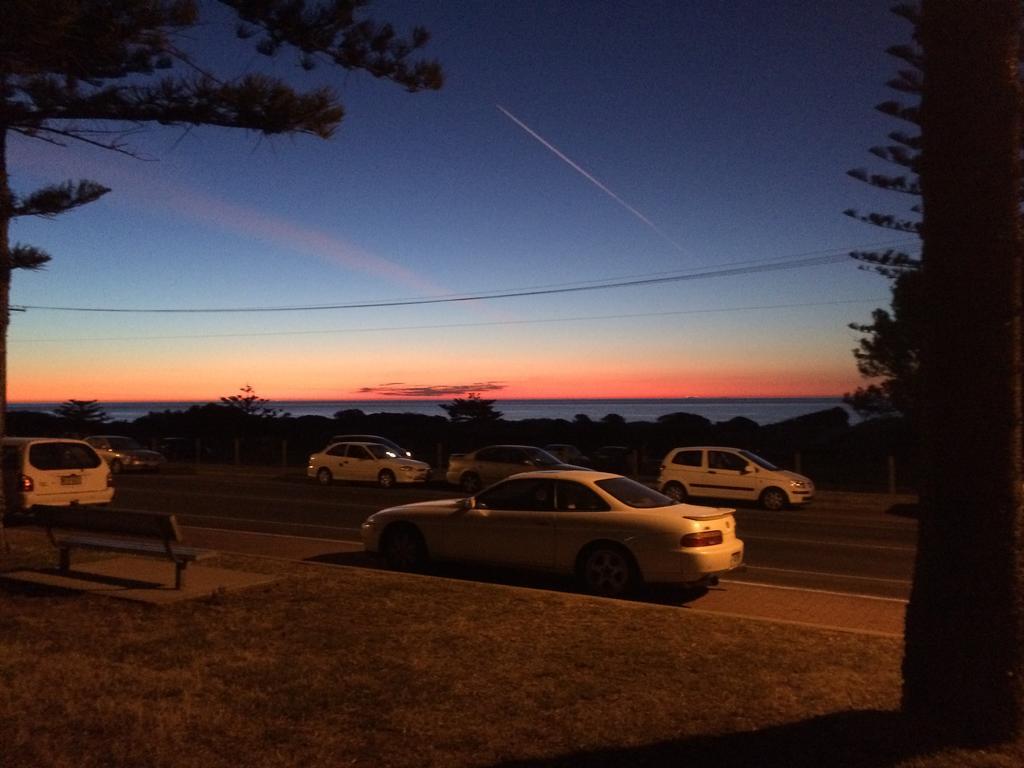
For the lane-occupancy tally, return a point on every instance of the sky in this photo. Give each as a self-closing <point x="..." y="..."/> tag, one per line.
<point x="697" y="150"/>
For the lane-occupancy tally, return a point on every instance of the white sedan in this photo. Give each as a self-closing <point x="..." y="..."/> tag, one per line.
<point x="365" y="462"/>
<point x="611" y="532"/>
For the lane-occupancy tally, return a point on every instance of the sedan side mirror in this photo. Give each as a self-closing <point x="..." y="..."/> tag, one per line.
<point x="465" y="504"/>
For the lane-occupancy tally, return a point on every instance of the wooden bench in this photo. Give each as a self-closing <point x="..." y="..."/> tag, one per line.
<point x="152" y="534"/>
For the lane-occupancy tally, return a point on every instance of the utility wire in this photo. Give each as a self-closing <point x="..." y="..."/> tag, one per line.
<point x="441" y="326"/>
<point x="811" y="261"/>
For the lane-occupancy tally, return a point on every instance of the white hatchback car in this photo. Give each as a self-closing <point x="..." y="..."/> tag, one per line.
<point x="719" y="472"/>
<point x="611" y="532"/>
<point x="53" y="472"/>
<point x="365" y="462"/>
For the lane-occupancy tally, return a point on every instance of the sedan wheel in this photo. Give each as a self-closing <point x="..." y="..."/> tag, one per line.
<point x="470" y="482"/>
<point x="774" y="499"/>
<point x="608" y="570"/>
<point x="674" y="491"/>
<point x="386" y="478"/>
<point x="404" y="549"/>
<point x="323" y="476"/>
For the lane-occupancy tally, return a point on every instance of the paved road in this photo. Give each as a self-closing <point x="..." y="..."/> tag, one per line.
<point x="845" y="543"/>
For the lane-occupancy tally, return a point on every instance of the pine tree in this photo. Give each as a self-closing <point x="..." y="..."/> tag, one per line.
<point x="90" y="71"/>
<point x="890" y="349"/>
<point x="471" y="409"/>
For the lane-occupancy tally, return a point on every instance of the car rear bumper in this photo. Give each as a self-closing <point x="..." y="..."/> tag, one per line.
<point x="691" y="566"/>
<point x="36" y="499"/>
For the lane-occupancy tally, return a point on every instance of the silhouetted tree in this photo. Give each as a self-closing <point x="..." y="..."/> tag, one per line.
<point x="963" y="668"/>
<point x="87" y="71"/>
<point x="890" y="350"/>
<point x="889" y="353"/>
<point x="81" y="416"/>
<point x="251" y="404"/>
<point x="471" y="409"/>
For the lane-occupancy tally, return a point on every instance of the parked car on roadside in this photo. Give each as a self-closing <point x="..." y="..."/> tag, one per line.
<point x="611" y="532"/>
<point x="620" y="459"/>
<point x="371" y="439"/>
<point x="719" y="472"/>
<point x="125" y="453"/>
<point x="365" y="462"/>
<point x="570" y="454"/>
<point x="478" y="469"/>
<point x="53" y="472"/>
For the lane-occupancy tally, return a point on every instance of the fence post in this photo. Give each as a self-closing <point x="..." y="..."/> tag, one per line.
<point x="199" y="450"/>
<point x="892" y="475"/>
<point x="440" y="457"/>
<point x="238" y="451"/>
<point x="284" y="452"/>
<point x="797" y="463"/>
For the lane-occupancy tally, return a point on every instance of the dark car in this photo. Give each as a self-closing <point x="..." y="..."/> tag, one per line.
<point x="477" y="469"/>
<point x="620" y="459"/>
<point x="570" y="454"/>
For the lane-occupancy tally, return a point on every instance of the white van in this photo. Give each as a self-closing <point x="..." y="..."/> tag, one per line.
<point x="53" y="472"/>
<point x="731" y="473"/>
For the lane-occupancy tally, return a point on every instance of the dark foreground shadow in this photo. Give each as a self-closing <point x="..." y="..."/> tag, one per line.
<point x="859" y="739"/>
<point x="903" y="510"/>
<point x="660" y="595"/>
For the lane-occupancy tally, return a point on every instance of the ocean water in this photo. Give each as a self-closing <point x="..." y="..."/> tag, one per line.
<point x="761" y="410"/>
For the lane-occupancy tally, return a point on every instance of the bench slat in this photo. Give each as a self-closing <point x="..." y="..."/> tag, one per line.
<point x="127" y="545"/>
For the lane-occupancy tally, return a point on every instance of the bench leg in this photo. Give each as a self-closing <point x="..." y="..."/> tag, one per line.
<point x="179" y="574"/>
<point x="65" y="559"/>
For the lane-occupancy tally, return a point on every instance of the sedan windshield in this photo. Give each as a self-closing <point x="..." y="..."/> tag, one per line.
<point x="123" y="444"/>
<point x="763" y="463"/>
<point x="633" y="494"/>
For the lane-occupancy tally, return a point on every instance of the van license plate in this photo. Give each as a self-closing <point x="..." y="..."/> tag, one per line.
<point x="71" y="480"/>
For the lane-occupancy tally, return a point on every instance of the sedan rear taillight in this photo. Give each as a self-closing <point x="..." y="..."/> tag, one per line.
<point x="702" y="539"/>
<point x="27" y="484"/>
<point x="110" y="480"/>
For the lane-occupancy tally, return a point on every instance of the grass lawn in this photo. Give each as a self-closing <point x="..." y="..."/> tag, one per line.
<point x="336" y="666"/>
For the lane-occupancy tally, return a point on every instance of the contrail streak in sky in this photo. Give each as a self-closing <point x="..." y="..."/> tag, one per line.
<point x="589" y="177"/>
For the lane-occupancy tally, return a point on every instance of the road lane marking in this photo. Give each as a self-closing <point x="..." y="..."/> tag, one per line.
<point x="331" y="528"/>
<point x="833" y="592"/>
<point x="829" y="574"/>
<point x="818" y="542"/>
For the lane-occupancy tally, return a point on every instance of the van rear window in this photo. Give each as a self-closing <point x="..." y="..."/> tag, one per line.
<point x="62" y="456"/>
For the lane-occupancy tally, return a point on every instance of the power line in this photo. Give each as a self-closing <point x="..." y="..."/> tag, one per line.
<point x="441" y="326"/>
<point x="484" y="295"/>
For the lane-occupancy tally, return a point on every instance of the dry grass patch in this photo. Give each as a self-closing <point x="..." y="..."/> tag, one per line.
<point x="343" y="666"/>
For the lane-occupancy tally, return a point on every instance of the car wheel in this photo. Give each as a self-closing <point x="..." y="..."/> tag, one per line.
<point x="470" y="482"/>
<point x="774" y="499"/>
<point x="674" y="491"/>
<point x="386" y="478"/>
<point x="324" y="477"/>
<point x="608" y="569"/>
<point x="116" y="467"/>
<point x="403" y="548"/>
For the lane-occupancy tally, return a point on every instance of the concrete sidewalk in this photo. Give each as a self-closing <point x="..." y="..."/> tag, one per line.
<point x="788" y="605"/>
<point x="811" y="608"/>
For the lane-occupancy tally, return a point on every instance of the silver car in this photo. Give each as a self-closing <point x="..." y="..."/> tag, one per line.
<point x="124" y="453"/>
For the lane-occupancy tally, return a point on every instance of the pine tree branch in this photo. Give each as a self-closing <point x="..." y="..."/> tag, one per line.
<point x="58" y="198"/>
<point x="28" y="257"/>
<point x="888" y="183"/>
<point x="885" y="221"/>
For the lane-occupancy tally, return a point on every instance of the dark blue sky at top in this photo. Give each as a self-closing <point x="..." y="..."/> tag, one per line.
<point x="728" y="125"/>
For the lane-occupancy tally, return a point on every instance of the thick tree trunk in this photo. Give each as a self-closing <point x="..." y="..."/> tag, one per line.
<point x="962" y="670"/>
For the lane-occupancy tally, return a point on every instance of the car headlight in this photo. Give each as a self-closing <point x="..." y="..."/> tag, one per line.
<point x="407" y="469"/>
<point x="797" y="484"/>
